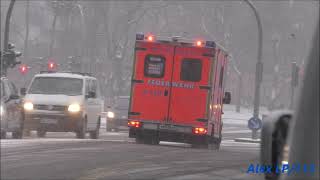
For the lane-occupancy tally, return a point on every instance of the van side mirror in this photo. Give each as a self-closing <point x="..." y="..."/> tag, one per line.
<point x="23" y="91"/>
<point x="91" y="94"/>
<point x="227" y="98"/>
<point x="274" y="133"/>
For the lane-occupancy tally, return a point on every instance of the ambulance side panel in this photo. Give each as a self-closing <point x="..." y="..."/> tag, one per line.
<point x="218" y="92"/>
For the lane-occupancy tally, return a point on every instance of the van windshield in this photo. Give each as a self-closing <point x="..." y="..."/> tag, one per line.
<point x="56" y="85"/>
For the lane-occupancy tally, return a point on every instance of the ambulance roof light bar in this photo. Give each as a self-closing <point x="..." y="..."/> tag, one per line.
<point x="199" y="43"/>
<point x="210" y="44"/>
<point x="141" y="37"/>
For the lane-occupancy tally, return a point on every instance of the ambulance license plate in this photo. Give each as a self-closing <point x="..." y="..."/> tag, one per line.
<point x="167" y="127"/>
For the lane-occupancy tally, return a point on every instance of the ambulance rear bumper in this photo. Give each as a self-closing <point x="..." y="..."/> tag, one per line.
<point x="167" y="127"/>
<point x="167" y="132"/>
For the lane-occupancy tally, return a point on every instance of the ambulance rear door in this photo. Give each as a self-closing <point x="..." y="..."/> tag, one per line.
<point x="190" y="93"/>
<point x="151" y="81"/>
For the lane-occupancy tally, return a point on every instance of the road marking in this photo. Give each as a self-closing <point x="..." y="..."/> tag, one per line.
<point x="236" y="131"/>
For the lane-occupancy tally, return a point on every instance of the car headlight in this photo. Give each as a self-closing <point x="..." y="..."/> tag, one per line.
<point x="74" y="108"/>
<point x="110" y="114"/>
<point x="1" y="110"/>
<point x="28" y="106"/>
<point x="285" y="155"/>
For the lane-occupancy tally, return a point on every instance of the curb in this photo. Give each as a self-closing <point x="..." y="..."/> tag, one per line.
<point x="250" y="140"/>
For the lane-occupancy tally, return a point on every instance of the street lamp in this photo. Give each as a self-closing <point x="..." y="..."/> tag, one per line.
<point x="259" y="68"/>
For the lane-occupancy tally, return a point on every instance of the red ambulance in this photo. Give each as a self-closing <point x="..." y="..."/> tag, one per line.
<point x="177" y="91"/>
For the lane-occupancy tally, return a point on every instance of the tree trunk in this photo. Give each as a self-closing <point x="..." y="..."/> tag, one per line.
<point x="53" y="29"/>
<point x="27" y="31"/>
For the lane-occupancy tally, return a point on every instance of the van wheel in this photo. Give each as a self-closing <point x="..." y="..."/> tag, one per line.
<point x="41" y="133"/>
<point x="19" y="132"/>
<point x="214" y="146"/>
<point x="139" y="138"/>
<point x="95" y="134"/>
<point x="81" y="132"/>
<point x="3" y="134"/>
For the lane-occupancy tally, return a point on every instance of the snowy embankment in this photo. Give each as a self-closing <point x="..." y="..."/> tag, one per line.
<point x="230" y="115"/>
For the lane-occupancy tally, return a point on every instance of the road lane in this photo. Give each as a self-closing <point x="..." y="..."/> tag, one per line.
<point x="115" y="156"/>
<point x="102" y="159"/>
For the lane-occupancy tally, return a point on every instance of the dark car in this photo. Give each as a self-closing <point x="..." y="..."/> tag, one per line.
<point x="11" y="110"/>
<point x="117" y="115"/>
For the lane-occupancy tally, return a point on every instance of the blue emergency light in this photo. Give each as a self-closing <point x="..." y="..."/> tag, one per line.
<point x="139" y="36"/>
<point x="210" y="44"/>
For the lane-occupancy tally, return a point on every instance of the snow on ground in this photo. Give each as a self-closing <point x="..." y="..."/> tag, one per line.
<point x="232" y="117"/>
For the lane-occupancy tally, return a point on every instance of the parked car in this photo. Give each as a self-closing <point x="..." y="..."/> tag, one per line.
<point x="63" y="102"/>
<point x="117" y="115"/>
<point x="10" y="110"/>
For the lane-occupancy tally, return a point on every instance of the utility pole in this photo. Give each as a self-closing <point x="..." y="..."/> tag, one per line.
<point x="259" y="68"/>
<point x="6" y="35"/>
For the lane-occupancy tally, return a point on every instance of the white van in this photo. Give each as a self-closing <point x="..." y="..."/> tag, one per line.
<point x="63" y="102"/>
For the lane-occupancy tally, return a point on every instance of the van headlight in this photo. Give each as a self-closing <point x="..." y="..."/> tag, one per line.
<point x="74" y="108"/>
<point x="1" y="111"/>
<point x="28" y="106"/>
<point x="110" y="114"/>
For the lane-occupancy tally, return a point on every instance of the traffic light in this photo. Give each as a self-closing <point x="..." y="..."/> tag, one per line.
<point x="23" y="69"/>
<point x="9" y="57"/>
<point x="51" y="66"/>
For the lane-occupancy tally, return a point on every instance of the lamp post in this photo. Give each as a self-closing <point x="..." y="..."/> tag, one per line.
<point x="259" y="67"/>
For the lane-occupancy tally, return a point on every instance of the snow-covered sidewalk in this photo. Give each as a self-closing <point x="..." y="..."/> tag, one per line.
<point x="230" y="115"/>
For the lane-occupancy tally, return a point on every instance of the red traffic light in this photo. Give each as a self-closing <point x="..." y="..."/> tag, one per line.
<point x="23" y="69"/>
<point x="51" y="65"/>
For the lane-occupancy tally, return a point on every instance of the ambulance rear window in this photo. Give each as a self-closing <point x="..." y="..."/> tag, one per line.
<point x="191" y="70"/>
<point x="154" y="66"/>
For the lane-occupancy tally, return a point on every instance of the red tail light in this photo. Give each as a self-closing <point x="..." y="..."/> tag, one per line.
<point x="199" y="131"/>
<point x="135" y="124"/>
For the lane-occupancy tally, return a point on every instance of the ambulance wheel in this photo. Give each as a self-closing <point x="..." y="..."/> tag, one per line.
<point x="214" y="146"/>
<point x="152" y="140"/>
<point x="151" y="137"/>
<point x="214" y="143"/>
<point x="139" y="140"/>
<point x="199" y="146"/>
